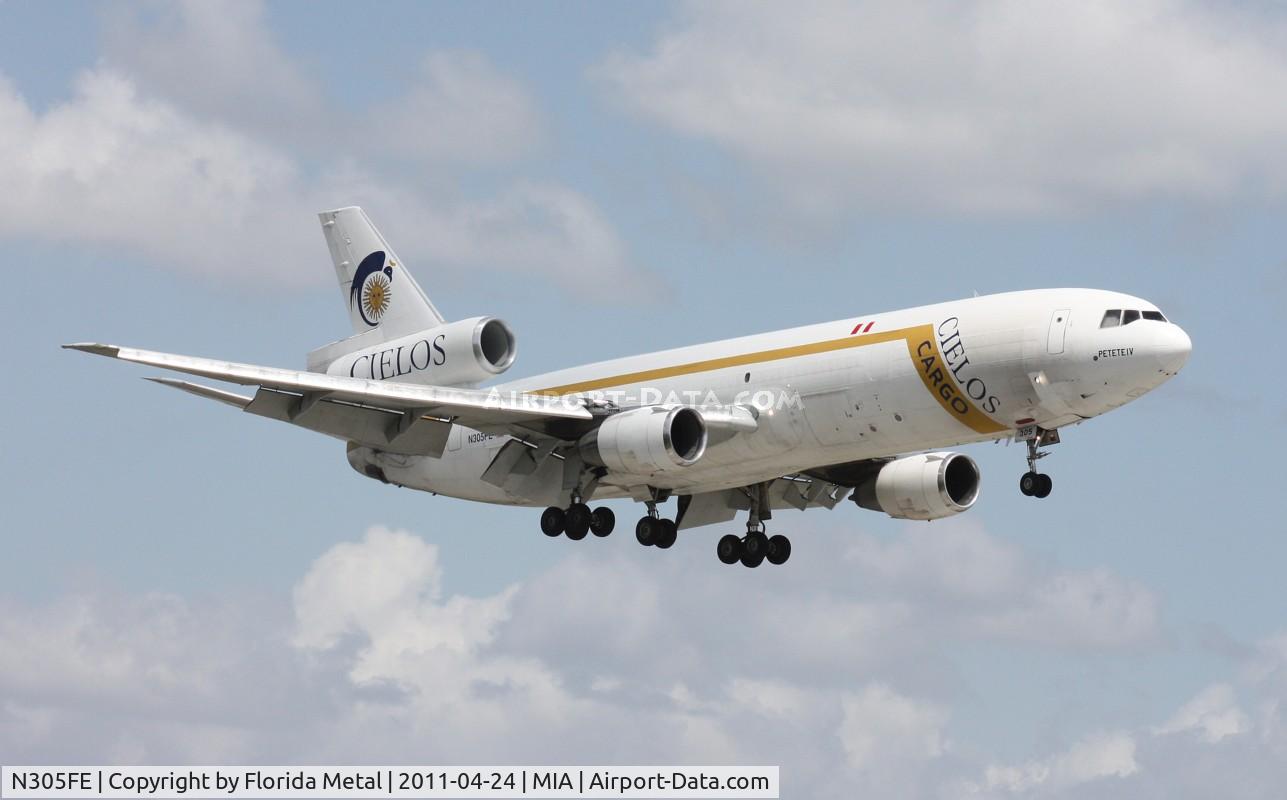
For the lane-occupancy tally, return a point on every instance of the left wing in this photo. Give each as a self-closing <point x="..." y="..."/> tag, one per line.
<point x="398" y="417"/>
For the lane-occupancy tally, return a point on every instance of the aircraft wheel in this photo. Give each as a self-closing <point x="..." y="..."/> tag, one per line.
<point x="577" y="521"/>
<point x="1029" y="483"/>
<point x="648" y="531"/>
<point x="552" y="521"/>
<point x="1044" y="485"/>
<point x="779" y="549"/>
<point x="669" y="533"/>
<point x="729" y="549"/>
<point x="754" y="548"/>
<point x="602" y="521"/>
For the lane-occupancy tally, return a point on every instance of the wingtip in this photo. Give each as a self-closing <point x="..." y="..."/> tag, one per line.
<point x="109" y="350"/>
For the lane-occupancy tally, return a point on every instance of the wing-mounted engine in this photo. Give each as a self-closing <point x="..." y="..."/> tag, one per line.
<point x="646" y="441"/>
<point x="926" y="486"/>
<point x="462" y="353"/>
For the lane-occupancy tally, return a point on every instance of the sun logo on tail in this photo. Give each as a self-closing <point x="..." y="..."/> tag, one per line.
<point x="375" y="296"/>
<point x="372" y="289"/>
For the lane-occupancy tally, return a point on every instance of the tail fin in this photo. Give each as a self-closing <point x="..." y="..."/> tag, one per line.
<point x="377" y="287"/>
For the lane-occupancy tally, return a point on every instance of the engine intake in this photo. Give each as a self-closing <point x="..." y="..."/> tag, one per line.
<point x="926" y="486"/>
<point x="644" y="441"/>
<point x="494" y="346"/>
<point x="459" y="353"/>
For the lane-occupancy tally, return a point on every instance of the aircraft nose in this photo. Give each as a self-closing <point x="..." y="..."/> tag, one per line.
<point x="1173" y="351"/>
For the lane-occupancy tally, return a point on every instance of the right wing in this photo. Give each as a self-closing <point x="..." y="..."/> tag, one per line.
<point x="396" y="417"/>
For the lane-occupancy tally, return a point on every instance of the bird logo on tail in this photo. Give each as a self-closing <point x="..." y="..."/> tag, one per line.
<point x="372" y="288"/>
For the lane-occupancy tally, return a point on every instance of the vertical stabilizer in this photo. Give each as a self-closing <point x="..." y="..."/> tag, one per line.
<point x="378" y="290"/>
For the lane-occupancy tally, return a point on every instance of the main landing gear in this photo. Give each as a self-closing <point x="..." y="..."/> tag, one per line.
<point x="653" y="530"/>
<point x="1033" y="483"/>
<point x="756" y="546"/>
<point x="577" y="520"/>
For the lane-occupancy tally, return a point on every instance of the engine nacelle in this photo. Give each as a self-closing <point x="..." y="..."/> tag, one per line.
<point x="926" y="486"/>
<point x="644" y="441"/>
<point x="458" y="353"/>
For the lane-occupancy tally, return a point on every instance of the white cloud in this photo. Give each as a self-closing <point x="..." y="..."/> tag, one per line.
<point x="461" y="108"/>
<point x="958" y="560"/>
<point x="151" y="677"/>
<point x="617" y="658"/>
<point x="218" y="62"/>
<point x="225" y="65"/>
<point x="993" y="106"/>
<point x="1208" y="747"/>
<point x="1094" y="608"/>
<point x="200" y="144"/>
<point x="881" y="725"/>
<point x="388" y="588"/>
<point x="1108" y="755"/>
<point x="113" y="169"/>
<point x="971" y="584"/>
<point x="771" y="698"/>
<point x="1213" y="715"/>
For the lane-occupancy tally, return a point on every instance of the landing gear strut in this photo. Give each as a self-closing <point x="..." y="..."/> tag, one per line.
<point x="756" y="546"/>
<point x="1033" y="483"/>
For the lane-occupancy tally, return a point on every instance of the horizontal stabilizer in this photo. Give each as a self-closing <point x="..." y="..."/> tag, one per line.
<point x="231" y="398"/>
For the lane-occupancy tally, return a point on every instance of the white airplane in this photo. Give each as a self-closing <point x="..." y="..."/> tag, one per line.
<point x="860" y="408"/>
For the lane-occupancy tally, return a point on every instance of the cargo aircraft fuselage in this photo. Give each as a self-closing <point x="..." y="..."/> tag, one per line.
<point x="861" y="408"/>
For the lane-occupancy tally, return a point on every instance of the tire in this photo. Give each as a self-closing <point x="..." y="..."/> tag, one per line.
<point x="647" y="531"/>
<point x="576" y="522"/>
<point x="552" y="520"/>
<point x="1044" y="485"/>
<point x="779" y="549"/>
<point x="669" y="533"/>
<point x="729" y="549"/>
<point x="1028" y="483"/>
<point x="602" y="521"/>
<point x="754" y="548"/>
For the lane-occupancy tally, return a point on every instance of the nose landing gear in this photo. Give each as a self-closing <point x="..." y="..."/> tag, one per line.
<point x="1033" y="483"/>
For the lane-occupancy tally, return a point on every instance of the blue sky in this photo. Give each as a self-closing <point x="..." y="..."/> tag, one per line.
<point x="613" y="179"/>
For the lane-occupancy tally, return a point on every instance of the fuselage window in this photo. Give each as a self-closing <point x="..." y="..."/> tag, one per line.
<point x="1111" y="318"/>
<point x="1129" y="316"/>
<point x="1156" y="316"/>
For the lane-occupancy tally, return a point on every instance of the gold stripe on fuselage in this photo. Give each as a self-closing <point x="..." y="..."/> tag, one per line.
<point x="924" y="351"/>
<point x="914" y="337"/>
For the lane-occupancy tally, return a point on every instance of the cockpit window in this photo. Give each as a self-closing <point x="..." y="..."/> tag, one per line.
<point x="1116" y="316"/>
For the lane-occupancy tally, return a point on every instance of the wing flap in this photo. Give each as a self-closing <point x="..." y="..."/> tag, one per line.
<point x="408" y="433"/>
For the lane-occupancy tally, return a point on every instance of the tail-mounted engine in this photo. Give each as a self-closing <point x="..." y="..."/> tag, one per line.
<point x="458" y="353"/>
<point x="926" y="486"/>
<point x="645" y="441"/>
